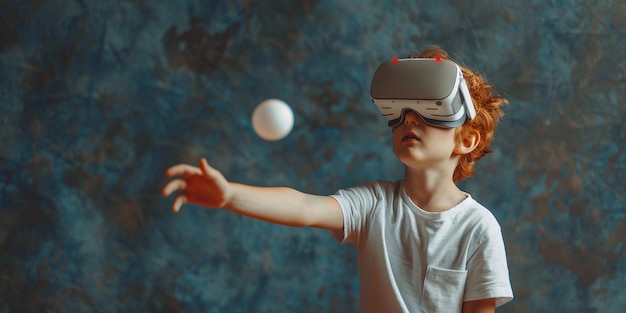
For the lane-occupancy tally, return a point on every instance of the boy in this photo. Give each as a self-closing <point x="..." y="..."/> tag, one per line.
<point x="424" y="245"/>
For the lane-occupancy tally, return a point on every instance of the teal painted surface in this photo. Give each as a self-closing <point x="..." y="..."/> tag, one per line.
<point x="97" y="99"/>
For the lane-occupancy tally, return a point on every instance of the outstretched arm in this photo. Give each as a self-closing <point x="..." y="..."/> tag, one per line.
<point x="206" y="186"/>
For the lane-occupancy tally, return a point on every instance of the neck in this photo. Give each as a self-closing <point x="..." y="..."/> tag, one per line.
<point x="432" y="190"/>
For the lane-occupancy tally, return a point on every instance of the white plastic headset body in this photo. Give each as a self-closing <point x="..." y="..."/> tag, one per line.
<point x="433" y="88"/>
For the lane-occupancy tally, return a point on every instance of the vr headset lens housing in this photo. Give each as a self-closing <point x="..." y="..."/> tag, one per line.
<point x="433" y="88"/>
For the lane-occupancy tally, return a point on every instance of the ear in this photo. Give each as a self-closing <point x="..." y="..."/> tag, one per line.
<point x="468" y="143"/>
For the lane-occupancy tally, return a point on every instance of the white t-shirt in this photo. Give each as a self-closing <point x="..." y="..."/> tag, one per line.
<point x="412" y="260"/>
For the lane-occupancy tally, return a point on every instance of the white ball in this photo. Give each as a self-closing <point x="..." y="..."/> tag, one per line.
<point x="272" y="119"/>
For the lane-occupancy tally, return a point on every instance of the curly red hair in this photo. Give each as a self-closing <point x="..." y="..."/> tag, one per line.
<point x="488" y="113"/>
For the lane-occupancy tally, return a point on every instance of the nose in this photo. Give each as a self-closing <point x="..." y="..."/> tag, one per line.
<point x="412" y="118"/>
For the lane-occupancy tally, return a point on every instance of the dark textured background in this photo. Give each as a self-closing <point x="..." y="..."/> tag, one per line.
<point x="98" y="98"/>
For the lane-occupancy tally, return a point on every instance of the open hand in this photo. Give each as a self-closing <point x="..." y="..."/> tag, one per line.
<point x="201" y="185"/>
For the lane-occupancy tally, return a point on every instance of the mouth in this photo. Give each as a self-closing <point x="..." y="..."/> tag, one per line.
<point x="409" y="136"/>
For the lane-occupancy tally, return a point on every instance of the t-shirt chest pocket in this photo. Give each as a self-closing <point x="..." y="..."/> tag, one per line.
<point x="443" y="290"/>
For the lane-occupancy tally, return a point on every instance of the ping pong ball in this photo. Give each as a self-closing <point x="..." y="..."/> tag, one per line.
<point x="272" y="119"/>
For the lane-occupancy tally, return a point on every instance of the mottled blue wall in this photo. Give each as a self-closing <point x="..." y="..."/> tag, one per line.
<point x="98" y="98"/>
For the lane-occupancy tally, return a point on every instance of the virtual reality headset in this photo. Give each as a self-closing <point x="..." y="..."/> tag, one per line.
<point x="433" y="88"/>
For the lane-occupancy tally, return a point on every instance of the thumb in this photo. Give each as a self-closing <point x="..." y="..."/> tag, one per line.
<point x="204" y="167"/>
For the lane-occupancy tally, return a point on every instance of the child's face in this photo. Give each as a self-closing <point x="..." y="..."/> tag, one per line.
<point x="417" y="144"/>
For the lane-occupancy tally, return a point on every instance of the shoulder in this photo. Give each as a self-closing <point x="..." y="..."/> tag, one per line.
<point x="376" y="187"/>
<point x="476" y="210"/>
<point x="477" y="217"/>
<point x="368" y="197"/>
<point x="359" y="204"/>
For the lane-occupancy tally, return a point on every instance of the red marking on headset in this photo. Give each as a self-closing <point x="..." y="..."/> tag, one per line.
<point x="438" y="58"/>
<point x="394" y="60"/>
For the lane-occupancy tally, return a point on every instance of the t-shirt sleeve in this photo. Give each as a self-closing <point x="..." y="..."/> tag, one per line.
<point x="488" y="272"/>
<point x="356" y="205"/>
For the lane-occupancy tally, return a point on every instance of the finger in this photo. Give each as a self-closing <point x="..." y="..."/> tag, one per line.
<point x="207" y="170"/>
<point x="182" y="169"/>
<point x="204" y="167"/>
<point x="178" y="202"/>
<point x="174" y="185"/>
